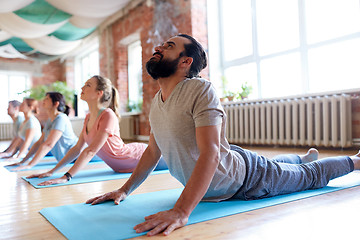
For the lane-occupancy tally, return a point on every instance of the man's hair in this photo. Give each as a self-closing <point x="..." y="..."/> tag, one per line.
<point x="15" y="103"/>
<point x="197" y="53"/>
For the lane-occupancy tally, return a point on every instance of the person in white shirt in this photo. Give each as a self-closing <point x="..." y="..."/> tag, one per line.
<point x="30" y="128"/>
<point x="18" y="119"/>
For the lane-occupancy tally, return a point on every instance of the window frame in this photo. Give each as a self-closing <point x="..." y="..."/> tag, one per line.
<point x="136" y="43"/>
<point x="216" y="46"/>
<point x="28" y="84"/>
<point x="79" y="76"/>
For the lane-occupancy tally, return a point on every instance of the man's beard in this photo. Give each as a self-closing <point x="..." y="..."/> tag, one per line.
<point x="161" y="68"/>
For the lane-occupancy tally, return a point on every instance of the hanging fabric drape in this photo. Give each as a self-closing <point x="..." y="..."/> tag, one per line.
<point x="19" y="27"/>
<point x="51" y="26"/>
<point x="8" y="51"/>
<point x="4" y="36"/>
<point x="13" y="5"/>
<point x="51" y="45"/>
<point x="85" y="22"/>
<point x="89" y="8"/>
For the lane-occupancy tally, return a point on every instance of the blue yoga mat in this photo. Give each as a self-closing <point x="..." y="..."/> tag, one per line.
<point x="44" y="158"/>
<point x="48" y="165"/>
<point x="86" y="176"/>
<point x="110" y="221"/>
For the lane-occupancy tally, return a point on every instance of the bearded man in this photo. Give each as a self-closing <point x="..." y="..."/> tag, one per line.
<point x="188" y="130"/>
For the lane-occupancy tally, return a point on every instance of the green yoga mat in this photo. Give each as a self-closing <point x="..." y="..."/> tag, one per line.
<point x="110" y="221"/>
<point x="86" y="176"/>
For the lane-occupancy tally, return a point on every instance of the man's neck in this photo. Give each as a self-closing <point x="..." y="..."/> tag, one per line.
<point x="13" y="117"/>
<point x="167" y="85"/>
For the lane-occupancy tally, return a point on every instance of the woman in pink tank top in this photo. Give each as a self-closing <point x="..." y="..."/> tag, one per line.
<point x="102" y="135"/>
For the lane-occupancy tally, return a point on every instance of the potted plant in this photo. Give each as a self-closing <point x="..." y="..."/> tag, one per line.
<point x="246" y="89"/>
<point x="38" y="92"/>
<point x="230" y="95"/>
<point x="133" y="106"/>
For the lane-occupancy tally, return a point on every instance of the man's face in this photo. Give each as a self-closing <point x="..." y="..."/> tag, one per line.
<point x="161" y="68"/>
<point x="11" y="110"/>
<point x="165" y="60"/>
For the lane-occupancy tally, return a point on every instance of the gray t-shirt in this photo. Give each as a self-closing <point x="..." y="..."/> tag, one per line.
<point x="193" y="103"/>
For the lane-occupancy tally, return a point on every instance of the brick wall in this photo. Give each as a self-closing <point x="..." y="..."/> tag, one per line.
<point x="69" y="66"/>
<point x="51" y="72"/>
<point x="154" y="21"/>
<point x="121" y="73"/>
<point x="40" y="72"/>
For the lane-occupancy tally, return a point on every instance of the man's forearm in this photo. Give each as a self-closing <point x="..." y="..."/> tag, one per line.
<point x="198" y="183"/>
<point x="11" y="146"/>
<point x="145" y="166"/>
<point x="15" y="147"/>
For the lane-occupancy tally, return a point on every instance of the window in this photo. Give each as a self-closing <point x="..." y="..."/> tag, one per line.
<point x="304" y="46"/>
<point x="12" y="83"/>
<point x="135" y="77"/>
<point x="87" y="65"/>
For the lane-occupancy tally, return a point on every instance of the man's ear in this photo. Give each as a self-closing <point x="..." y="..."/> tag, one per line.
<point x="187" y="61"/>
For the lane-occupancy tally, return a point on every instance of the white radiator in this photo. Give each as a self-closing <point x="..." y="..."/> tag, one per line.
<point x="306" y="121"/>
<point x="6" y="131"/>
<point x="127" y="127"/>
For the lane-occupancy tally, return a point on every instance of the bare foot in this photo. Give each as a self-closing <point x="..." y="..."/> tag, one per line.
<point x="356" y="160"/>
<point x="310" y="156"/>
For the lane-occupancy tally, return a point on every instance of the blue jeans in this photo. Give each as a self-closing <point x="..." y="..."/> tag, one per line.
<point x="287" y="174"/>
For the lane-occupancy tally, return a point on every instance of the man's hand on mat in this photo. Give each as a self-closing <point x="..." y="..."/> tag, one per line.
<point x="54" y="181"/>
<point x="19" y="168"/>
<point x="117" y="196"/>
<point x="165" y="222"/>
<point x="40" y="175"/>
<point x="4" y="155"/>
<point x="13" y="159"/>
<point x="15" y="164"/>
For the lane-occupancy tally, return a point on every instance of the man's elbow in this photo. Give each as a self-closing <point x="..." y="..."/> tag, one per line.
<point x="217" y="157"/>
<point x="214" y="152"/>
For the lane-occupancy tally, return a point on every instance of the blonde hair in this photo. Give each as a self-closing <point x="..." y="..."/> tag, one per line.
<point x="33" y="104"/>
<point x="110" y="96"/>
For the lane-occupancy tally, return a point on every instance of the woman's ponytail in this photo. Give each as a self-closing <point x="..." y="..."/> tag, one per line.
<point x="110" y="94"/>
<point x="114" y="103"/>
<point x="66" y="110"/>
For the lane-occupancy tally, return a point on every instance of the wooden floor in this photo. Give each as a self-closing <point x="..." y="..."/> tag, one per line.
<point x="331" y="216"/>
